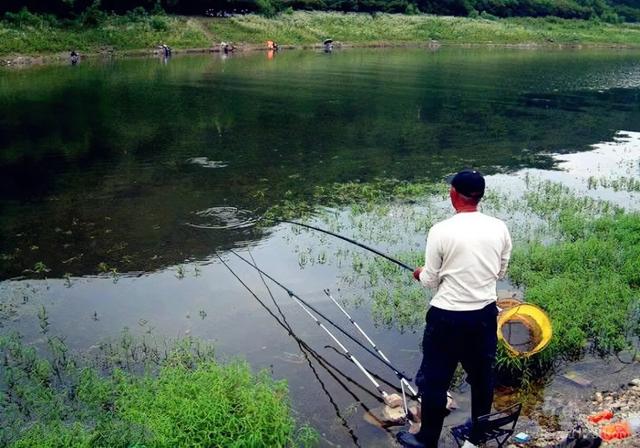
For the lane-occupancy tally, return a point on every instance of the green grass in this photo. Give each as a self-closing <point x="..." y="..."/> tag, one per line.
<point x="140" y="395"/>
<point x="114" y="33"/>
<point x="304" y="28"/>
<point x="352" y="28"/>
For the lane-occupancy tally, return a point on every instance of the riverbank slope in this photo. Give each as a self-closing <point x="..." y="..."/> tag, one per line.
<point x="124" y="35"/>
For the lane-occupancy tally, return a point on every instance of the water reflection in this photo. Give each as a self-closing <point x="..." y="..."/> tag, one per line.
<point x="92" y="160"/>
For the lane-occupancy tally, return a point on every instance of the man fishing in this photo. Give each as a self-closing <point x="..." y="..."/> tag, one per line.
<point x="465" y="255"/>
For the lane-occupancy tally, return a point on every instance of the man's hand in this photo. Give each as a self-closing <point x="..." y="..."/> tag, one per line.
<point x="416" y="273"/>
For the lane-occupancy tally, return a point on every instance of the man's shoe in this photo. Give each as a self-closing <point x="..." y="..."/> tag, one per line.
<point x="406" y="439"/>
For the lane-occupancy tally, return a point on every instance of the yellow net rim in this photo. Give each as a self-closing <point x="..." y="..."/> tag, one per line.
<point x="535" y="319"/>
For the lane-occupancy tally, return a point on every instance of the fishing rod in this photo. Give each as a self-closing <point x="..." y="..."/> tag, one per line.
<point x="347" y="239"/>
<point x="303" y="345"/>
<point x="401" y="377"/>
<point x="306" y="304"/>
<point x="317" y="229"/>
<point x="318" y="322"/>
<point x="300" y="342"/>
<point x="404" y="381"/>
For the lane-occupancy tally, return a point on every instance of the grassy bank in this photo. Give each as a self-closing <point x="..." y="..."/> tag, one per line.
<point x="363" y="29"/>
<point x="138" y="394"/>
<point x="114" y="33"/>
<point x="126" y="33"/>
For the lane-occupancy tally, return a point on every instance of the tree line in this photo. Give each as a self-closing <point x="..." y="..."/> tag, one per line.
<point x="90" y="11"/>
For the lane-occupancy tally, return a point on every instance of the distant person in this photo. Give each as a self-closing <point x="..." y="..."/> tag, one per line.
<point x="227" y="48"/>
<point x="465" y="255"/>
<point x="74" y="58"/>
<point x="328" y="45"/>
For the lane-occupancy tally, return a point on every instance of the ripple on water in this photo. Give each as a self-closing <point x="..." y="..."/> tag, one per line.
<point x="223" y="218"/>
<point x="206" y="163"/>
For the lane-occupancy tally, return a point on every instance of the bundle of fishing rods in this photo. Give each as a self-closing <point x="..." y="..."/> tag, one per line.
<point x="322" y="320"/>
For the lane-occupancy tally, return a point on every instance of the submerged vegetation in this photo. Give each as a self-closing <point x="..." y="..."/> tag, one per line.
<point x="136" y="393"/>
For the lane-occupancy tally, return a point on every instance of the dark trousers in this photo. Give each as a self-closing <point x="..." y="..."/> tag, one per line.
<point x="468" y="337"/>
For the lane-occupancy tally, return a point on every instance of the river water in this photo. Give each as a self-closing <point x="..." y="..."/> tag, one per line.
<point x="104" y="165"/>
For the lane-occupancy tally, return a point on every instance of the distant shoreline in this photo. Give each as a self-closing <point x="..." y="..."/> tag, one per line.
<point x="306" y="30"/>
<point x="21" y="61"/>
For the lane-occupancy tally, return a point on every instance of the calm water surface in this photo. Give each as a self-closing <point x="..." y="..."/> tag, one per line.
<point x="103" y="164"/>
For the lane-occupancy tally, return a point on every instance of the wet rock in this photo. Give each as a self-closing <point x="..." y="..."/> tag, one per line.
<point x="598" y="397"/>
<point x="577" y="379"/>
<point x="384" y="416"/>
<point x="393" y="416"/>
<point x="635" y="382"/>
<point x="393" y="400"/>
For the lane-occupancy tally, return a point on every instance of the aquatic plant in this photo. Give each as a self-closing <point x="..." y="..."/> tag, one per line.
<point x="616" y="184"/>
<point x="180" y="396"/>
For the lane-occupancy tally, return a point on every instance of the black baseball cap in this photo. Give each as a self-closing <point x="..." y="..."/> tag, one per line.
<point x="468" y="182"/>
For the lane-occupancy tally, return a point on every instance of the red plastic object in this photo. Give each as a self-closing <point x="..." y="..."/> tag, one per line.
<point x="614" y="431"/>
<point x="600" y="416"/>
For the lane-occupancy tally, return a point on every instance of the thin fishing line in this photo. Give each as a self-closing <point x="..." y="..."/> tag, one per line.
<point x="336" y="326"/>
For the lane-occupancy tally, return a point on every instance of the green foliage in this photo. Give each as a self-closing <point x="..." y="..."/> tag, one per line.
<point x="266" y="8"/>
<point x="94" y="30"/>
<point x="23" y="19"/>
<point x="93" y="15"/>
<point x="189" y="400"/>
<point x="159" y="23"/>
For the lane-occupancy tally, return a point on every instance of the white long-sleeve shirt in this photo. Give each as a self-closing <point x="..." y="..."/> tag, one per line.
<point x="465" y="256"/>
